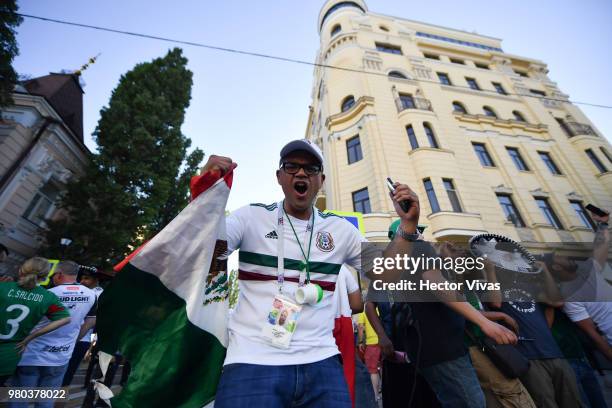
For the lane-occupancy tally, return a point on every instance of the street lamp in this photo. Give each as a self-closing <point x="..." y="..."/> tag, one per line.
<point x="64" y="242"/>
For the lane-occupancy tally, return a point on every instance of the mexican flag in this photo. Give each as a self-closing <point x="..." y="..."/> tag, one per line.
<point x="166" y="310"/>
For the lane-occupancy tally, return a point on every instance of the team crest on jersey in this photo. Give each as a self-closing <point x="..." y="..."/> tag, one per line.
<point x="217" y="285"/>
<point x="324" y="241"/>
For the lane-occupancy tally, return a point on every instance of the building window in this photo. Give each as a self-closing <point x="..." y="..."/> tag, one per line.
<point x="600" y="166"/>
<point x="536" y="92"/>
<point x="392" y="49"/>
<point x="353" y="150"/>
<point x="407" y="101"/>
<point x="565" y="127"/>
<point x="499" y="88"/>
<point x="481" y="65"/>
<point x="397" y="74"/>
<point x="582" y="214"/>
<point x="431" y="196"/>
<point x="347" y="103"/>
<point x="453" y="197"/>
<point x="548" y="212"/>
<point x="432" y="56"/>
<point x="458" y="107"/>
<point x="547" y="159"/>
<point x="444" y="79"/>
<point x="606" y="153"/>
<point x="516" y="157"/>
<point x="383" y="28"/>
<point x="456" y="41"/>
<point x="40" y="205"/>
<point x="457" y="61"/>
<point x="431" y="137"/>
<point x="510" y="210"/>
<point x="483" y="154"/>
<point x="521" y="73"/>
<point x="412" y="137"/>
<point x="361" y="201"/>
<point x="518" y="116"/>
<point x="336" y="29"/>
<point x="489" y="112"/>
<point x="472" y="83"/>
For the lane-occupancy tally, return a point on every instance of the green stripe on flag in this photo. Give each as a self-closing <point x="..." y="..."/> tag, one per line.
<point x="294" y="264"/>
<point x="174" y="363"/>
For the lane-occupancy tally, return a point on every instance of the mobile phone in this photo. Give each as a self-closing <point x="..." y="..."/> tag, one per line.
<point x="596" y="210"/>
<point x="405" y="205"/>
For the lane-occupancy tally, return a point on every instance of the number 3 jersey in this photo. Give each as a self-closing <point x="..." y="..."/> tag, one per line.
<point x="20" y="311"/>
<point x="55" y="348"/>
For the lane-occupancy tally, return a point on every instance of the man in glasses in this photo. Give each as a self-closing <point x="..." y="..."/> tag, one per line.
<point x="266" y="364"/>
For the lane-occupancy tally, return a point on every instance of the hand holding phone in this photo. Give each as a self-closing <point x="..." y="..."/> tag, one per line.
<point x="405" y="205"/>
<point x="596" y="210"/>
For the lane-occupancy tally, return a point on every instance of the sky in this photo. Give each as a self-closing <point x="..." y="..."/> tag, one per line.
<point x="247" y="108"/>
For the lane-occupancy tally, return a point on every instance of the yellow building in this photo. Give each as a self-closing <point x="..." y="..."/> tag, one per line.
<point x="485" y="138"/>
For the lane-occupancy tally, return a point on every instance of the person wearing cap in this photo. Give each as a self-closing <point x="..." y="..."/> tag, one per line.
<point x="303" y="369"/>
<point x="89" y="279"/>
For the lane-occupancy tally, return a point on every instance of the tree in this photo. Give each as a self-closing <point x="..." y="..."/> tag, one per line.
<point x="133" y="186"/>
<point x="9" y="20"/>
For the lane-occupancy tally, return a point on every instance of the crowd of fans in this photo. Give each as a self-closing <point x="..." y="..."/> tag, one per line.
<point x="46" y="332"/>
<point x="562" y="334"/>
<point x="417" y="354"/>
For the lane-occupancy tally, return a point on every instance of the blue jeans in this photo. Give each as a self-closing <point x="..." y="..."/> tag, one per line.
<point x="316" y="385"/>
<point x="455" y="383"/>
<point x="38" y="376"/>
<point x="590" y="391"/>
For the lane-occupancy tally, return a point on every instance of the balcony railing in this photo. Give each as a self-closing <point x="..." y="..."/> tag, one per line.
<point x="577" y="129"/>
<point x="415" y="102"/>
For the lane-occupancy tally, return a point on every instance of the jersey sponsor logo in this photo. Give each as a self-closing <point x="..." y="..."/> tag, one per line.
<point x="25" y="295"/>
<point x="272" y="235"/>
<point x="72" y="288"/>
<point x="76" y="299"/>
<point x="324" y="241"/>
<point x="217" y="281"/>
<point x="56" y="349"/>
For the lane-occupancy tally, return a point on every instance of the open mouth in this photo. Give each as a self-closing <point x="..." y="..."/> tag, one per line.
<point x="300" y="187"/>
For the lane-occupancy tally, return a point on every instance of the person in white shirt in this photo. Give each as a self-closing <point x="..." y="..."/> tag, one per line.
<point x="587" y="292"/>
<point x="45" y="359"/>
<point x="89" y="278"/>
<point x="297" y="365"/>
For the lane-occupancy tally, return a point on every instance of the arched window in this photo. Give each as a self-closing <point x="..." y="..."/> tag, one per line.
<point x="489" y="112"/>
<point x="431" y="137"/>
<point x="397" y="74"/>
<point x="458" y="107"/>
<point x="347" y="103"/>
<point x="336" y="29"/>
<point x="412" y="137"/>
<point x="518" y="116"/>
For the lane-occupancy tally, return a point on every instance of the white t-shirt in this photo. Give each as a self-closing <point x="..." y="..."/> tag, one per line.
<point x="591" y="299"/>
<point x="253" y="229"/>
<point x="55" y="348"/>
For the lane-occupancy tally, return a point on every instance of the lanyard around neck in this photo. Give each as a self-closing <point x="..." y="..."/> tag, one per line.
<point x="281" y="247"/>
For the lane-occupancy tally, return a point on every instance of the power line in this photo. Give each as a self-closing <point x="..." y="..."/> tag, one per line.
<point x="277" y="58"/>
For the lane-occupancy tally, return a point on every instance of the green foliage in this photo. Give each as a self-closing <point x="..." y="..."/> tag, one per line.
<point x="134" y="185"/>
<point x="9" y="49"/>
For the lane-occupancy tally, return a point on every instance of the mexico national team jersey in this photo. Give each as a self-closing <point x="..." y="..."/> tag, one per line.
<point x="20" y="311"/>
<point x="55" y="348"/>
<point x="254" y="231"/>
